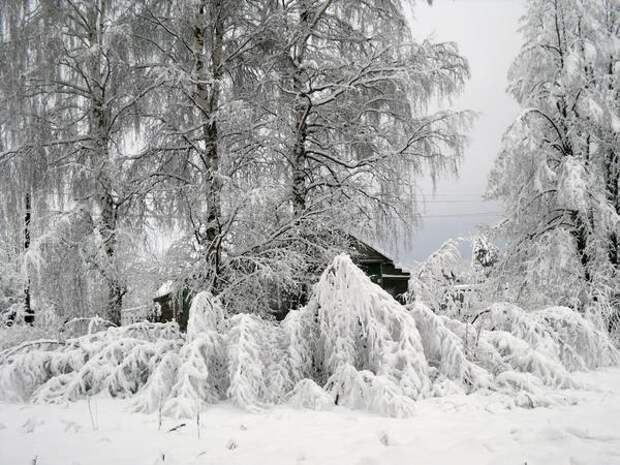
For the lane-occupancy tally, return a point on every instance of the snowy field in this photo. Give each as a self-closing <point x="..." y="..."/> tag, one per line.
<point x="477" y="429"/>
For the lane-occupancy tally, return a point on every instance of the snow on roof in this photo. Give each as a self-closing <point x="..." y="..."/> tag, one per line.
<point x="377" y="248"/>
<point x="166" y="288"/>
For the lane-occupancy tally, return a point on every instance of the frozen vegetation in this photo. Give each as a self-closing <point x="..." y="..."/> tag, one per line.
<point x="240" y="153"/>
<point x="352" y="345"/>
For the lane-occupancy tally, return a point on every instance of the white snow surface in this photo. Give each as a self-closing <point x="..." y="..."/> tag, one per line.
<point x="481" y="428"/>
<point x="166" y="288"/>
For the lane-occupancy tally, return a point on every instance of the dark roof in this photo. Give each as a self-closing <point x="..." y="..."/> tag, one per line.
<point x="368" y="254"/>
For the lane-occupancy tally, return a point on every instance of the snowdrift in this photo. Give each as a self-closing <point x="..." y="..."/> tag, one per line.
<point x="353" y="345"/>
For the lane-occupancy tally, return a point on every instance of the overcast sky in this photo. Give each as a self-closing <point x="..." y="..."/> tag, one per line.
<point x="486" y="32"/>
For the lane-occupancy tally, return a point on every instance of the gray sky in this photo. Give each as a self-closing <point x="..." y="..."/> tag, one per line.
<point x="486" y="32"/>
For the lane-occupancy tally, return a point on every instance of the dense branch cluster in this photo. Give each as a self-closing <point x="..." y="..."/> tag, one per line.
<point x="353" y="345"/>
<point x="250" y="138"/>
<point x="559" y="169"/>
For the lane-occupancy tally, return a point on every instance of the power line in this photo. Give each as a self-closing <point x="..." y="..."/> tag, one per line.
<point x="457" y="215"/>
<point x="164" y="215"/>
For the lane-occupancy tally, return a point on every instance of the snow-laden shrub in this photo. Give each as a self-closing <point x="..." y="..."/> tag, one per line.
<point x="196" y="375"/>
<point x="512" y="319"/>
<point x="160" y="384"/>
<point x="498" y="344"/>
<point x="558" y="332"/>
<point x="362" y="389"/>
<point x="519" y="356"/>
<point x="200" y="377"/>
<point x="117" y="360"/>
<point x="581" y="344"/>
<point x="206" y="314"/>
<point x="352" y="345"/>
<point x="446" y="351"/>
<point x="361" y="325"/>
<point x="248" y="385"/>
<point x="303" y="336"/>
<point x="277" y="364"/>
<point x="476" y="357"/>
<point x="308" y="394"/>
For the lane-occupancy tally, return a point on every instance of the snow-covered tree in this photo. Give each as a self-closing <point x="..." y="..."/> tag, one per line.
<point x="558" y="171"/>
<point x="280" y="126"/>
<point x="87" y="67"/>
<point x="349" y="88"/>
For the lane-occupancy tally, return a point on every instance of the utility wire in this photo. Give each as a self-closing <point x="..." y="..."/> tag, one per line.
<point x="163" y="215"/>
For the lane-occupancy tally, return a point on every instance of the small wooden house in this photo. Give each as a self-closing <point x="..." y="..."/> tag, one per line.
<point x="381" y="270"/>
<point x="174" y="302"/>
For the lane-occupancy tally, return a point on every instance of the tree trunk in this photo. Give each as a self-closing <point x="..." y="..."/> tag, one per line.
<point x="613" y="195"/>
<point x="302" y="109"/>
<point x="109" y="211"/>
<point x="209" y="39"/>
<point x="299" y="163"/>
<point x="116" y="291"/>
<point x="581" y="236"/>
<point x="28" y="311"/>
<point x="100" y="127"/>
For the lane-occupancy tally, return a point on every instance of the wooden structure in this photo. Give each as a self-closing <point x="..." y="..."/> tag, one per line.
<point x="173" y="304"/>
<point x="381" y="270"/>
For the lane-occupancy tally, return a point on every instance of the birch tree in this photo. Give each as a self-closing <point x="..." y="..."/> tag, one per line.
<point x="25" y="176"/>
<point x="286" y="125"/>
<point x="88" y="71"/>
<point x="558" y="171"/>
<point x="349" y="91"/>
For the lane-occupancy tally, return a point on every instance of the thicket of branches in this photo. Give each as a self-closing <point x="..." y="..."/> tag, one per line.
<point x="252" y="136"/>
<point x="559" y="170"/>
<point x="352" y="345"/>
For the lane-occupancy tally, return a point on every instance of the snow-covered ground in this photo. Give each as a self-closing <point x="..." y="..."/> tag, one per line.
<point x="477" y="429"/>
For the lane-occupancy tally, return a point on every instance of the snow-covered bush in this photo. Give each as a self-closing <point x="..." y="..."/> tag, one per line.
<point x="362" y="389"/>
<point x="119" y="360"/>
<point x="248" y="384"/>
<point x="451" y="285"/>
<point x="352" y="345"/>
<point x="361" y="325"/>
<point x="581" y="344"/>
<point x="446" y="351"/>
<point x="308" y="394"/>
<point x="14" y="331"/>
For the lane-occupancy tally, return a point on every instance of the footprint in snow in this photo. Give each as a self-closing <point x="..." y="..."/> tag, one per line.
<point x="367" y="461"/>
<point x="31" y="424"/>
<point x="72" y="427"/>
<point x="585" y="434"/>
<point x="231" y="444"/>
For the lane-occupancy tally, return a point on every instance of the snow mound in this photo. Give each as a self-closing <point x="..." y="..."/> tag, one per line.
<point x="352" y="345"/>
